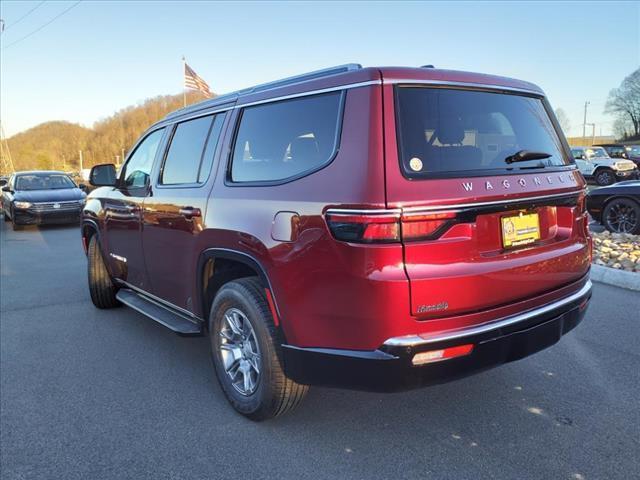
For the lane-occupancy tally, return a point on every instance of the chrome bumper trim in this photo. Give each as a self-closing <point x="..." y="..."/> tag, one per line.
<point x="414" y="340"/>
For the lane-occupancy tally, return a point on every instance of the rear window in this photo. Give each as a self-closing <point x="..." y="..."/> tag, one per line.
<point x="287" y="139"/>
<point x="452" y="132"/>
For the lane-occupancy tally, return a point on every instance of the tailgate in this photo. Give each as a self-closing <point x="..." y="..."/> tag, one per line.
<point x="468" y="267"/>
<point x="466" y="168"/>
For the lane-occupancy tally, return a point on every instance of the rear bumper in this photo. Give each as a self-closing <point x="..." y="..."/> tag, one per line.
<point x="390" y="368"/>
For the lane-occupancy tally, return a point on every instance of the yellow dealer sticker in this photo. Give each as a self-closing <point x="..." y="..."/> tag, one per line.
<point x="520" y="229"/>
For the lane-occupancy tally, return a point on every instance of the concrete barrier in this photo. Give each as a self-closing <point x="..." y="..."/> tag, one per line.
<point x="615" y="277"/>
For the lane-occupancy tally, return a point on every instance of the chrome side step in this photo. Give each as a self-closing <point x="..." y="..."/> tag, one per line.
<point x="173" y="320"/>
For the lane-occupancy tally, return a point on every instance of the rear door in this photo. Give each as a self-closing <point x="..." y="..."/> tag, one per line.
<point x="123" y="212"/>
<point x="480" y="232"/>
<point x="173" y="213"/>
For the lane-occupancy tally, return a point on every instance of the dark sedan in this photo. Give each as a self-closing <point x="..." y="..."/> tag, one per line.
<point x="617" y="207"/>
<point x="41" y="197"/>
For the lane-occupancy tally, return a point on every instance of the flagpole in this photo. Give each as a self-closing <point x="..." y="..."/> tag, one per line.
<point x="184" y="89"/>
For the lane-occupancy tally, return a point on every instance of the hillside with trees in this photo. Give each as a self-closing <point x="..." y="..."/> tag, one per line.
<point x="56" y="145"/>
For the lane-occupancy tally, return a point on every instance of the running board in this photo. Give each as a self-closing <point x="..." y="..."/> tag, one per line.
<point x="177" y="322"/>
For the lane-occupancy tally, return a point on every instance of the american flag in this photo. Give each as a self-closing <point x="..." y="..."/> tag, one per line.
<point x="193" y="81"/>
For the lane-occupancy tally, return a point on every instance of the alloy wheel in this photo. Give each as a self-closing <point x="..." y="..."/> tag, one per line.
<point x="240" y="351"/>
<point x="622" y="218"/>
<point x="605" y="178"/>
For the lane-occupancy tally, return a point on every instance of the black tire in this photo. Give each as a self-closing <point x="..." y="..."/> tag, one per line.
<point x="101" y="287"/>
<point x="274" y="393"/>
<point x="604" y="177"/>
<point x="5" y="216"/>
<point x="16" y="226"/>
<point x="622" y="215"/>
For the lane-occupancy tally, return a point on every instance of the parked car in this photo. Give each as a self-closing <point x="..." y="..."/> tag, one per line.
<point x="617" y="207"/>
<point x="41" y="197"/>
<point x="370" y="228"/>
<point x="614" y="150"/>
<point x="633" y="153"/>
<point x="596" y="164"/>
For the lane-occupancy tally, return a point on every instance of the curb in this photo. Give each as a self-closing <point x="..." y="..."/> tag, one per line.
<point x="615" y="277"/>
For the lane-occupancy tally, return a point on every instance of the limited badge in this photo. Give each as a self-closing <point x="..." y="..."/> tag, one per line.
<point x="416" y="164"/>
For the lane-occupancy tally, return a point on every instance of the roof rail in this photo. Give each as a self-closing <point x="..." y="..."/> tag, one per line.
<point x="325" y="72"/>
<point x="267" y="86"/>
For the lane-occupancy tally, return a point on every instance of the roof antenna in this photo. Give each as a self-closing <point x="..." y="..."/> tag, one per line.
<point x="427" y="66"/>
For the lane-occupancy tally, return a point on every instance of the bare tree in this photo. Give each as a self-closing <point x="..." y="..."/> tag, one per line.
<point x="624" y="101"/>
<point x="563" y="120"/>
<point x="622" y="127"/>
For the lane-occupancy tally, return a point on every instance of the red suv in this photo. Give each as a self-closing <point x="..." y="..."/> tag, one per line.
<point x="368" y="228"/>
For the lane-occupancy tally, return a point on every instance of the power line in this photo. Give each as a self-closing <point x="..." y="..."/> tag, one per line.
<point x="42" y="26"/>
<point x="25" y="15"/>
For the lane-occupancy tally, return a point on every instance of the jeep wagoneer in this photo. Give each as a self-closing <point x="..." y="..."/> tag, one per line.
<point x="369" y="228"/>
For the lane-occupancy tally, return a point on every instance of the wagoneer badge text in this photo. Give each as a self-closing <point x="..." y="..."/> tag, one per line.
<point x="506" y="184"/>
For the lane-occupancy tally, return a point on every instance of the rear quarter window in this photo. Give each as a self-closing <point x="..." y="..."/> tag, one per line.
<point x="456" y="132"/>
<point x="284" y="140"/>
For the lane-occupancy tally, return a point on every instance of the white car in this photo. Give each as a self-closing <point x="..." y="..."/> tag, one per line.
<point x="594" y="163"/>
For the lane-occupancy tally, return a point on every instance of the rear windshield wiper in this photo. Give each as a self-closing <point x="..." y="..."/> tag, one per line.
<point x="524" y="155"/>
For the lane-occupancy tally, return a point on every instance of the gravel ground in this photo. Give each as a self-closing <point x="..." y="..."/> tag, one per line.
<point x="617" y="250"/>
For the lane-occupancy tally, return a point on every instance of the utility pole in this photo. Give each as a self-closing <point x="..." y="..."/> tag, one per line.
<point x="184" y="89"/>
<point x="584" y="124"/>
<point x="81" y="161"/>
<point x="593" y="133"/>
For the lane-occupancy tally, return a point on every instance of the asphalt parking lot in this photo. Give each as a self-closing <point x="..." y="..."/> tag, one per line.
<point x="89" y="394"/>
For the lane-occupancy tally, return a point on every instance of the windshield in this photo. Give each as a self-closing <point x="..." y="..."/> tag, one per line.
<point x="454" y="131"/>
<point x="634" y="150"/>
<point x="597" y="153"/>
<point x="43" y="181"/>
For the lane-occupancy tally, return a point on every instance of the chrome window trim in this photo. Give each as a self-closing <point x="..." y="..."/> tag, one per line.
<point x="320" y="91"/>
<point x="415" y="340"/>
<point x="447" y="83"/>
<point x="307" y="93"/>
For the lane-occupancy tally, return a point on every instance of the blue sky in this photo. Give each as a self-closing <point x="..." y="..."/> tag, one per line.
<point x="103" y="56"/>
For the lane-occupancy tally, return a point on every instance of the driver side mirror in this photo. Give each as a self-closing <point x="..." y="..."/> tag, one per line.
<point x="103" y="175"/>
<point x="82" y="187"/>
<point x="6" y="188"/>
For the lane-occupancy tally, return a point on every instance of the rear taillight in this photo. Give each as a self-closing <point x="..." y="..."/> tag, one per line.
<point x="388" y="227"/>
<point x="425" y="226"/>
<point x="582" y="203"/>
<point x="365" y="228"/>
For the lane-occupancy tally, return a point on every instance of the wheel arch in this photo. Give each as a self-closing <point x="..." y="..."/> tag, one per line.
<point x="242" y="265"/>
<point x="619" y="197"/>
<point x="88" y="229"/>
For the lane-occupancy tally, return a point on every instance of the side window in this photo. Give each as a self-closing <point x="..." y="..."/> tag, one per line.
<point x="184" y="156"/>
<point x="276" y="141"/>
<point x="210" y="150"/>
<point x="138" y="168"/>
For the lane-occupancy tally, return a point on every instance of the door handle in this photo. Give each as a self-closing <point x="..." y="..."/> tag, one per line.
<point x="190" y="212"/>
